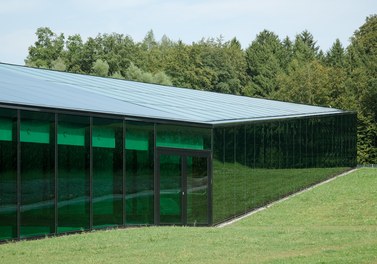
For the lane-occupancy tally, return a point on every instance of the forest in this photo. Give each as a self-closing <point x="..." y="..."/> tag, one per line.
<point x="294" y="70"/>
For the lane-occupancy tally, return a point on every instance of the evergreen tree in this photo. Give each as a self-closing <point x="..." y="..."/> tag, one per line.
<point x="265" y="57"/>
<point x="362" y="86"/>
<point x="336" y="55"/>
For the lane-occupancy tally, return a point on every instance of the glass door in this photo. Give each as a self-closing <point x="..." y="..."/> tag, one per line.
<point x="170" y="189"/>
<point x="183" y="193"/>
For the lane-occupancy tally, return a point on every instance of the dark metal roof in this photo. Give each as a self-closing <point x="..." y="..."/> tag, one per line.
<point x="60" y="90"/>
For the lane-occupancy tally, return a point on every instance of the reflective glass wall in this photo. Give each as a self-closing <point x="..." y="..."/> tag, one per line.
<point x="140" y="173"/>
<point x="107" y="172"/>
<point x="37" y="171"/>
<point x="63" y="173"/>
<point x="254" y="164"/>
<point x="8" y="174"/>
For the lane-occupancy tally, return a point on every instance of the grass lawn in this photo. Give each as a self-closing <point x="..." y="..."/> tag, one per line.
<point x="334" y="223"/>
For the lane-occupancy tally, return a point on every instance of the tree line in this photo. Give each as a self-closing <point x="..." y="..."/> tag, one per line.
<point x="294" y="70"/>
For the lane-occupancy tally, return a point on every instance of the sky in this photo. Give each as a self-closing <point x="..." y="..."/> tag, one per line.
<point x="184" y="20"/>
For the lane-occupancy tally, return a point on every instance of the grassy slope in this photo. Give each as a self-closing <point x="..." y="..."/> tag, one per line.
<point x="334" y="223"/>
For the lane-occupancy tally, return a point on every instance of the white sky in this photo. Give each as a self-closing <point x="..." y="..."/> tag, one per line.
<point x="179" y="19"/>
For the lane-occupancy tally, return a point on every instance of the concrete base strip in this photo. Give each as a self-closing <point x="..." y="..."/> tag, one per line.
<point x="282" y="200"/>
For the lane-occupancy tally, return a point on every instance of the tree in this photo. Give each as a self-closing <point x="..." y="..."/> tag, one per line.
<point x="265" y="57"/>
<point x="46" y="49"/>
<point x="58" y="64"/>
<point x="305" y="83"/>
<point x="74" y="52"/>
<point x="100" y="68"/>
<point x="362" y="85"/>
<point x="336" y="55"/>
<point x="136" y="74"/>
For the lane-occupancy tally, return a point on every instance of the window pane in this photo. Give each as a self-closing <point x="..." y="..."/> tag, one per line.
<point x="139" y="173"/>
<point x="8" y="174"/>
<point x="170" y="189"/>
<point x="37" y="173"/>
<point x="183" y="137"/>
<point x="107" y="141"/>
<point x="73" y="173"/>
<point x="197" y="191"/>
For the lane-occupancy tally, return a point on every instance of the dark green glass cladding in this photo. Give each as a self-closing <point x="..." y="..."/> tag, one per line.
<point x="8" y="174"/>
<point x="183" y="137"/>
<point x="73" y="173"/>
<point x="37" y="139"/>
<point x="107" y="182"/>
<point x="197" y="190"/>
<point x="139" y="173"/>
<point x="170" y="189"/>
<point x="255" y="164"/>
<point x="64" y="173"/>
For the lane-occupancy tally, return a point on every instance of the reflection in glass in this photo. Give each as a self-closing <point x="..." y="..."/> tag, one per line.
<point x="139" y="173"/>
<point x="107" y="178"/>
<point x="8" y="174"/>
<point x="37" y="174"/>
<point x="282" y="157"/>
<point x="197" y="191"/>
<point x="170" y="189"/>
<point x="73" y="173"/>
<point x="183" y="137"/>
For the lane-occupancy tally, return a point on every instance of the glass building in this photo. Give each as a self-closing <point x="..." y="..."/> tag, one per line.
<point x="80" y="152"/>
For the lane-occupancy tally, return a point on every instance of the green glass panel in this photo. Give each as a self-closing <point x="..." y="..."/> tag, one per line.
<point x="139" y="174"/>
<point x="103" y="137"/>
<point x="170" y="189"/>
<point x="183" y="137"/>
<point x="197" y="191"/>
<point x="137" y="139"/>
<point x="73" y="174"/>
<point x="35" y="131"/>
<point x="37" y="216"/>
<point x="71" y="134"/>
<point x="8" y="176"/>
<point x="176" y="140"/>
<point x="6" y="129"/>
<point x="107" y="173"/>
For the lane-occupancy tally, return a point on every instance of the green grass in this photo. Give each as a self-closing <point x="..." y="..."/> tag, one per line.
<point x="333" y="223"/>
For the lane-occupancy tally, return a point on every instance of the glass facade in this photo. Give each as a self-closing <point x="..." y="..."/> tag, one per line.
<point x="255" y="164"/>
<point x="8" y="174"/>
<point x="107" y="172"/>
<point x="73" y="134"/>
<point x="69" y="172"/>
<point x="37" y="140"/>
<point x="170" y="189"/>
<point x="183" y="137"/>
<point x="197" y="191"/>
<point x="139" y="173"/>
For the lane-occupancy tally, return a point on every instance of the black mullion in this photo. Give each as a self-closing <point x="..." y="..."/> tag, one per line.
<point x="210" y="182"/>
<point x="209" y="186"/>
<point x="90" y="174"/>
<point x="56" y="173"/>
<point x="18" y="175"/>
<point x="124" y="173"/>
<point x="156" y="183"/>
